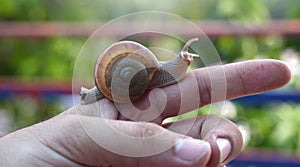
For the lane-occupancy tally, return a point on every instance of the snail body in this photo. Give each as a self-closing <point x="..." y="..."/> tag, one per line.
<point x="126" y="69"/>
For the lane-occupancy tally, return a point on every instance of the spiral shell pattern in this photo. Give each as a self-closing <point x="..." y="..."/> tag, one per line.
<point x="129" y="80"/>
<point x="123" y="70"/>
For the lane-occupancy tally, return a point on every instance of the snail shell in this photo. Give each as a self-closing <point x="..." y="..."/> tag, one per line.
<point x="124" y="70"/>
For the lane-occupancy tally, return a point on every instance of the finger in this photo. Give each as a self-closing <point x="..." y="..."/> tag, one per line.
<point x="241" y="79"/>
<point x="95" y="141"/>
<point x="224" y="136"/>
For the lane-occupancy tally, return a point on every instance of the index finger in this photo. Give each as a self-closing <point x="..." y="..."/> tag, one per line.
<point x="241" y="79"/>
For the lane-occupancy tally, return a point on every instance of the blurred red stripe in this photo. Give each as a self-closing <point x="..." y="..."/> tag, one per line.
<point x="211" y="28"/>
<point x="36" y="86"/>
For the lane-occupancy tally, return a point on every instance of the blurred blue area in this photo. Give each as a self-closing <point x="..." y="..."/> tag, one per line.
<point x="288" y="96"/>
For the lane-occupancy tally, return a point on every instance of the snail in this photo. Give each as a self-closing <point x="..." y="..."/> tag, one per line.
<point x="126" y="69"/>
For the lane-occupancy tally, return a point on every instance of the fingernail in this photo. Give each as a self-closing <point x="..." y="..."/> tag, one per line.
<point x="225" y="148"/>
<point x="191" y="149"/>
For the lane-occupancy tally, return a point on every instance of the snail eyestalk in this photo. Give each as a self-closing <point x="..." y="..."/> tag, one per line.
<point x="188" y="44"/>
<point x="185" y="55"/>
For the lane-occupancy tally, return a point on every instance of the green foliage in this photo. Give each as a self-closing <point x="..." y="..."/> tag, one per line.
<point x="254" y="10"/>
<point x="53" y="57"/>
<point x="274" y="126"/>
<point x="90" y="10"/>
<point x="27" y="110"/>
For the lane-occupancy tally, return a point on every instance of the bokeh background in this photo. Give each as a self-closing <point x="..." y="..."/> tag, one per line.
<point x="40" y="39"/>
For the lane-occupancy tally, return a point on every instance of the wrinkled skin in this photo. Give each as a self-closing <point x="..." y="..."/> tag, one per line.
<point x="63" y="140"/>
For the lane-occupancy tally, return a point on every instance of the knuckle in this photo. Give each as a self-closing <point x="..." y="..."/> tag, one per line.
<point x="204" y="91"/>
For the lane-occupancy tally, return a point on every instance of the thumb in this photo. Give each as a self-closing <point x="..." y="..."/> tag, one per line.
<point x="95" y="141"/>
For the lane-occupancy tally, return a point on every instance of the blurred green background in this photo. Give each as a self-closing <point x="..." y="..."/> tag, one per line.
<point x="273" y="126"/>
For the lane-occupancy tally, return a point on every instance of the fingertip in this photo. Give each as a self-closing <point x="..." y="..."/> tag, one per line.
<point x="224" y="147"/>
<point x="285" y="69"/>
<point x="277" y="73"/>
<point x="192" y="151"/>
<point x="189" y="149"/>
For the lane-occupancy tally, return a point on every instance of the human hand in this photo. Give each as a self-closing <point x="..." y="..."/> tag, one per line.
<point x="77" y="137"/>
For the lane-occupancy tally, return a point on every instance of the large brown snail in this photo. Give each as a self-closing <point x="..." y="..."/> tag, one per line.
<point x="126" y="69"/>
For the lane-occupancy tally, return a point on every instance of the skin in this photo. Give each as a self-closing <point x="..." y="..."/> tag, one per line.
<point x="62" y="141"/>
